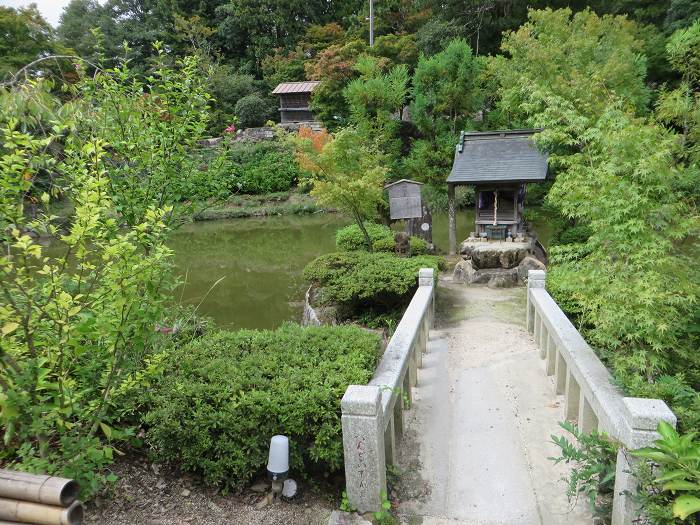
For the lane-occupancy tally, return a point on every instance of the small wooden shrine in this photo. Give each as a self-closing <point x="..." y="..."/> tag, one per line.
<point x="498" y="164"/>
<point x="295" y="98"/>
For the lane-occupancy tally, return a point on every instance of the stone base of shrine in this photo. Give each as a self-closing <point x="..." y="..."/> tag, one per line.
<point x="497" y="263"/>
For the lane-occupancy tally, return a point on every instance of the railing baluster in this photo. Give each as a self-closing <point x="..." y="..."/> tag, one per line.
<point x="560" y="373"/>
<point x="573" y="394"/>
<point x="390" y="439"/>
<point x="551" y="355"/>
<point x="587" y="420"/>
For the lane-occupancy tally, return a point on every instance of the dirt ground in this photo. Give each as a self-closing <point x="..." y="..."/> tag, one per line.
<point x="149" y="494"/>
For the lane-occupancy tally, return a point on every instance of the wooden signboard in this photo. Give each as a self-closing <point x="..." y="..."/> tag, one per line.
<point x="405" y="199"/>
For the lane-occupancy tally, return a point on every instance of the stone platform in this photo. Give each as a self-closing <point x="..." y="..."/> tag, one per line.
<point x="499" y="264"/>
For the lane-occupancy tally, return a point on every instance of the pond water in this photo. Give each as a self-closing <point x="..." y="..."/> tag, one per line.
<point x="260" y="263"/>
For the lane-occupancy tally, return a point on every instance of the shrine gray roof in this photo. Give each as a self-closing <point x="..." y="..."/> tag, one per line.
<point x="498" y="156"/>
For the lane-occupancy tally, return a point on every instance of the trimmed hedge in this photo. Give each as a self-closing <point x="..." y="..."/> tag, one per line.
<point x="223" y="396"/>
<point x="363" y="279"/>
<point x="351" y="238"/>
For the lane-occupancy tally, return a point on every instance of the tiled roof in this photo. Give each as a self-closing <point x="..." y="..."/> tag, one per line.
<point x="295" y="87"/>
<point x="498" y="156"/>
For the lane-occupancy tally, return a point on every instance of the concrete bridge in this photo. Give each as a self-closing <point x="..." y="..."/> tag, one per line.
<point x="463" y="404"/>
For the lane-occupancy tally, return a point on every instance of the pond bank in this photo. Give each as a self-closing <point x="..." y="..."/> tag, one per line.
<point x="264" y="205"/>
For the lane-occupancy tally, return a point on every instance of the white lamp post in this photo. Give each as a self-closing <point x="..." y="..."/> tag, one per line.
<point x="278" y="462"/>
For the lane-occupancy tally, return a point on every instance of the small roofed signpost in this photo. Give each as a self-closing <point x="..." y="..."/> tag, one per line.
<point x="405" y="203"/>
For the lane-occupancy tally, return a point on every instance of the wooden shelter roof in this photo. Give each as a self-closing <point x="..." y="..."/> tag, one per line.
<point x="295" y="87"/>
<point x="498" y="156"/>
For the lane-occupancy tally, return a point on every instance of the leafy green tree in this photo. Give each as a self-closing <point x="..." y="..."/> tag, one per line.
<point x="154" y="138"/>
<point x="334" y="67"/>
<point x="346" y="173"/>
<point x="581" y="59"/>
<point x="435" y="34"/>
<point x="376" y="101"/>
<point x="447" y="94"/>
<point x="681" y="14"/>
<point x="77" y="26"/>
<point x="26" y="36"/>
<point x="253" y="110"/>
<point x="255" y="27"/>
<point x="447" y="89"/>
<point x="680" y="107"/>
<point x="76" y="321"/>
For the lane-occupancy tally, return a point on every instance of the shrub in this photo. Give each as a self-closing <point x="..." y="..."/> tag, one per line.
<point x="592" y="458"/>
<point x="385" y="244"/>
<point x="418" y="246"/>
<point x="254" y="110"/>
<point x="263" y="167"/>
<point x="361" y="279"/>
<point x="351" y="238"/>
<point x="225" y="395"/>
<point x="671" y="476"/>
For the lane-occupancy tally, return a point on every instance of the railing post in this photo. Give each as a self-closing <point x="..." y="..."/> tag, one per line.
<point x="426" y="277"/>
<point x="363" y="446"/>
<point x="642" y="416"/>
<point x="535" y="279"/>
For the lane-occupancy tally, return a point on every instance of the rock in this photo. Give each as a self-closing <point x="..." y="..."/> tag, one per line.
<point x="289" y="489"/>
<point x="185" y="493"/>
<point x="402" y="241"/>
<point x="527" y="264"/>
<point x="260" y="487"/>
<point x="506" y="280"/>
<point x="487" y="274"/>
<point x="316" y="314"/>
<point x="347" y="518"/>
<point x="264" y="502"/>
<point x="463" y="272"/>
<point x="498" y="255"/>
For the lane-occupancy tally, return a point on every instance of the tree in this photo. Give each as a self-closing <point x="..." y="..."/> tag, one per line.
<point x="346" y="171"/>
<point x="153" y="138"/>
<point x="447" y="94"/>
<point x="631" y="285"/>
<point x="26" y="36"/>
<point x="681" y="14"/>
<point x="252" y="28"/>
<point x="253" y="110"/>
<point x="376" y="101"/>
<point x="583" y="59"/>
<point x="76" y="29"/>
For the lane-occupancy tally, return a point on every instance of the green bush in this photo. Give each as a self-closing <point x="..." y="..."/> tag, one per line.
<point x="225" y="395"/>
<point x="576" y="234"/>
<point x="253" y="110"/>
<point x="263" y="167"/>
<point x="351" y="237"/>
<point x="359" y="280"/>
<point x="418" y="246"/>
<point x="385" y="244"/>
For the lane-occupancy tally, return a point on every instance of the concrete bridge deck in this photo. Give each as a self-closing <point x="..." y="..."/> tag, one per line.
<point x="477" y="436"/>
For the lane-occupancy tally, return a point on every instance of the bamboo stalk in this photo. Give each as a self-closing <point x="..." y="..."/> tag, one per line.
<point x="39" y="514"/>
<point x="48" y="490"/>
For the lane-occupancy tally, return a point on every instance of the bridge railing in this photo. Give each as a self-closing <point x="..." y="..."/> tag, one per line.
<point x="593" y="401"/>
<point x="372" y="415"/>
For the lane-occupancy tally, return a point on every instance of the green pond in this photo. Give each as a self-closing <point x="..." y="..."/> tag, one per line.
<point x="247" y="273"/>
